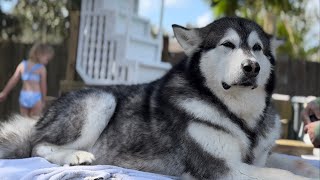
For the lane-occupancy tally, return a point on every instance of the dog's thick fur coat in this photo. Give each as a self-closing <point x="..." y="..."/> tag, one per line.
<point x="209" y="117"/>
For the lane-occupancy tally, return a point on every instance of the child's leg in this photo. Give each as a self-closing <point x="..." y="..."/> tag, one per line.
<point x="36" y="109"/>
<point x="24" y="111"/>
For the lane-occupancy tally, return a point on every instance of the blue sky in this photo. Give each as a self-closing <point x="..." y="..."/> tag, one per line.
<point x="7" y="5"/>
<point x="182" y="12"/>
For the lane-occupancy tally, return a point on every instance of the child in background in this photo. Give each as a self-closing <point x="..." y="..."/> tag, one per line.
<point x="34" y="77"/>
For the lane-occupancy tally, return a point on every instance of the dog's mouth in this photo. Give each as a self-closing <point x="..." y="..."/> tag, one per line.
<point x="248" y="82"/>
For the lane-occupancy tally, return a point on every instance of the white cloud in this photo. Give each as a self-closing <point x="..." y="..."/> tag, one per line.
<point x="174" y="3"/>
<point x="204" y="19"/>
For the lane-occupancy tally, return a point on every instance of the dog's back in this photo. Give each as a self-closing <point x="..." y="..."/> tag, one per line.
<point x="210" y="116"/>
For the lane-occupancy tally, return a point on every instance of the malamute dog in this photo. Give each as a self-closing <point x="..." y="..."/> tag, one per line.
<point x="209" y="117"/>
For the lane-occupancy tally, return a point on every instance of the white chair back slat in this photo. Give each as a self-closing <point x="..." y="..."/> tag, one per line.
<point x="92" y="46"/>
<point x="98" y="50"/>
<point x="104" y="44"/>
<point x="86" y="35"/>
<point x="111" y="65"/>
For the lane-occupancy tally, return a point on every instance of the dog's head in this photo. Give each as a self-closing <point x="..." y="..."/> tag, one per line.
<point x="234" y="52"/>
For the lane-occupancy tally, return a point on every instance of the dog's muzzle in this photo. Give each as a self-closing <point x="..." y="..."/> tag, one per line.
<point x="248" y="82"/>
<point x="250" y="68"/>
<point x="244" y="82"/>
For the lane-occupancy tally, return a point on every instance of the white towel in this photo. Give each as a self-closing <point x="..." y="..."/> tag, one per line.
<point x="39" y="169"/>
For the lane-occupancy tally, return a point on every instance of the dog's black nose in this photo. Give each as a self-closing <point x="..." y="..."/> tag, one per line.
<point x="250" y="68"/>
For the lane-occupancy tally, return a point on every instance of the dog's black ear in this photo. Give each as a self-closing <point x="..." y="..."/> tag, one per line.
<point x="187" y="38"/>
<point x="275" y="43"/>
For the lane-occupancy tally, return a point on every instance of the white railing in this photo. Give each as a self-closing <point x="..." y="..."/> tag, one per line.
<point x="116" y="47"/>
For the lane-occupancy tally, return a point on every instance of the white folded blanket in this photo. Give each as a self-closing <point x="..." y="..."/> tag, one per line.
<point x="37" y="168"/>
<point x="40" y="169"/>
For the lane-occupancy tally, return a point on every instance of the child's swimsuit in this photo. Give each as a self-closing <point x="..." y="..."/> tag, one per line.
<point x="28" y="99"/>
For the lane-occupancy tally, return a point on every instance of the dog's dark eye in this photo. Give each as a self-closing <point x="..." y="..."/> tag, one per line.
<point x="257" y="47"/>
<point x="228" y="44"/>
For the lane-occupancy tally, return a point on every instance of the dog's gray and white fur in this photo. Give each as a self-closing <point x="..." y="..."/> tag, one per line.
<point x="209" y="117"/>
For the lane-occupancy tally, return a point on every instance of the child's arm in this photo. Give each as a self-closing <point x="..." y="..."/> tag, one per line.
<point x="11" y="83"/>
<point x="43" y="83"/>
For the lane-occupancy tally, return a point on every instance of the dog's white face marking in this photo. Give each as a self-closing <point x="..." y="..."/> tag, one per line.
<point x="231" y="36"/>
<point x="258" y="56"/>
<point x="223" y="64"/>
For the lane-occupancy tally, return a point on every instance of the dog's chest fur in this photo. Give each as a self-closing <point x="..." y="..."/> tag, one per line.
<point x="220" y="137"/>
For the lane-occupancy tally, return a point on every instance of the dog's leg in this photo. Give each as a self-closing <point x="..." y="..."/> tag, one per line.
<point x="99" y="109"/>
<point x="296" y="166"/>
<point x="61" y="156"/>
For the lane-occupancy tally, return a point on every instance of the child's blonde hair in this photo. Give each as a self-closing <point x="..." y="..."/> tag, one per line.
<point x="40" y="49"/>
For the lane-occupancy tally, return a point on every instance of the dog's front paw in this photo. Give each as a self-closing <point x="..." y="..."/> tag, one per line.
<point x="79" y="158"/>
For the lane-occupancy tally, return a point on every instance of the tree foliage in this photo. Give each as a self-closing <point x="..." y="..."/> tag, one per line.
<point x="39" y="20"/>
<point x="8" y="26"/>
<point x="42" y="20"/>
<point x="286" y="19"/>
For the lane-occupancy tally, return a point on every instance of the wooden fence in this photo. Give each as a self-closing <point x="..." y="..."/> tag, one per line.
<point x="297" y="78"/>
<point x="293" y="77"/>
<point x="11" y="54"/>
